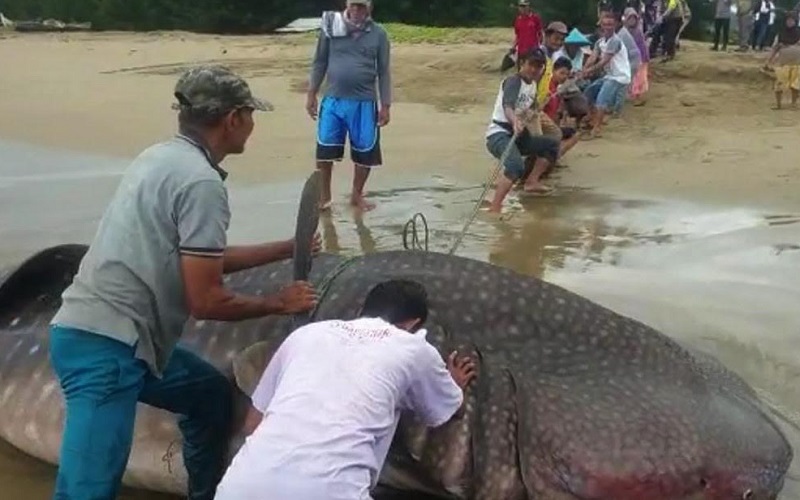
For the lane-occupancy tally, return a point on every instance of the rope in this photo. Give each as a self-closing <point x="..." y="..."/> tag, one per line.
<point x="327" y="282"/>
<point x="493" y="176"/>
<point x="411" y="228"/>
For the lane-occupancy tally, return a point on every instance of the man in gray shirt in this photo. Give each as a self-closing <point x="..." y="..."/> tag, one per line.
<point x="634" y="60"/>
<point x="159" y="255"/>
<point x="722" y="23"/>
<point x="352" y="51"/>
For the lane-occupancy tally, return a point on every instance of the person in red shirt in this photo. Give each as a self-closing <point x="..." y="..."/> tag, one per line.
<point x="554" y="107"/>
<point x="527" y="30"/>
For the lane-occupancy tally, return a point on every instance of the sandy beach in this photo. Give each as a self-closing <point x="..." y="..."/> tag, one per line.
<point x="707" y="132"/>
<point x="684" y="215"/>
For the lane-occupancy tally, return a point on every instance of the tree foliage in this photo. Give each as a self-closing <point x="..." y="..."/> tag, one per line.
<point x="258" y="16"/>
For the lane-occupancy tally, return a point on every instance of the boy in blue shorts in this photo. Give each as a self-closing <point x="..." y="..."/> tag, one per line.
<point x="352" y="51"/>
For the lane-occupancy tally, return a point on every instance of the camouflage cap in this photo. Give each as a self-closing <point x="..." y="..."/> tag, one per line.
<point x="215" y="88"/>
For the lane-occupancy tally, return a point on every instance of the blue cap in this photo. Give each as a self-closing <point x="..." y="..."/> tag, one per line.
<point x="577" y="38"/>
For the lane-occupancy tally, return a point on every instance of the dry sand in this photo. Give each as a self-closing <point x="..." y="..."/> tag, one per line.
<point x="707" y="132"/>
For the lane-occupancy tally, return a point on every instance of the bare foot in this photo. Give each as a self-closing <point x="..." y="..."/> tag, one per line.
<point x="537" y="189"/>
<point x="591" y="134"/>
<point x="360" y="203"/>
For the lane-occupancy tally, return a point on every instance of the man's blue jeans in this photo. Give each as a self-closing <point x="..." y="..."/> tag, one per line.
<point x="102" y="381"/>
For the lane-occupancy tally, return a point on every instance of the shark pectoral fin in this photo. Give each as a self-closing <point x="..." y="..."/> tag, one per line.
<point x="249" y="365"/>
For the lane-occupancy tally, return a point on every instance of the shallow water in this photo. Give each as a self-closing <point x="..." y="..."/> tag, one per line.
<point x="719" y="278"/>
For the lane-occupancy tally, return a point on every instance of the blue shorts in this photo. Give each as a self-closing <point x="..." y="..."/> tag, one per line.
<point x="604" y="93"/>
<point x="341" y="118"/>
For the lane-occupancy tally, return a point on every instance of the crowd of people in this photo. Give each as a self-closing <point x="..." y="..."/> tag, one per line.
<point x="568" y="84"/>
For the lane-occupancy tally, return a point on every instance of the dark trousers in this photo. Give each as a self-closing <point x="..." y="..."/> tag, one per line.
<point x="721" y="27"/>
<point x="760" y="32"/>
<point x="657" y="35"/>
<point x="671" y="28"/>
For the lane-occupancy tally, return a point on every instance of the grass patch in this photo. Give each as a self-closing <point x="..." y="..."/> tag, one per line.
<point x="406" y="33"/>
<point x="410" y="34"/>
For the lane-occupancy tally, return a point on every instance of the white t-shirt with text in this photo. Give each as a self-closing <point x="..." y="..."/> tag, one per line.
<point x="331" y="398"/>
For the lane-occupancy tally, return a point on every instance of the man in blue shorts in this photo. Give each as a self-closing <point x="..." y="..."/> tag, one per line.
<point x="352" y="51"/>
<point x="611" y="56"/>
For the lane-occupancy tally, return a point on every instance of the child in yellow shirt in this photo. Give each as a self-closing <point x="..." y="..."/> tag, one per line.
<point x="786" y="58"/>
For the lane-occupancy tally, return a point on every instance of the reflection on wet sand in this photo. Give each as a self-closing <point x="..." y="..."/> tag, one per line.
<point x="719" y="279"/>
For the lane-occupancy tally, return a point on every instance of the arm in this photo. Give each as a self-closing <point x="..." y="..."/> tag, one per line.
<point x="202" y="215"/>
<point x="384" y="80"/>
<point x="384" y="71"/>
<point x="265" y="390"/>
<point x="319" y="66"/>
<point x="774" y="53"/>
<point x="540" y="29"/>
<point x="511" y="87"/>
<point x="671" y="6"/>
<point x="613" y="46"/>
<point x="434" y="396"/>
<point x="239" y="258"/>
<point x="516" y="38"/>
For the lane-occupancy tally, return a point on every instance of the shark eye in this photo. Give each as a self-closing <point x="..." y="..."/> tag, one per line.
<point x="747" y="495"/>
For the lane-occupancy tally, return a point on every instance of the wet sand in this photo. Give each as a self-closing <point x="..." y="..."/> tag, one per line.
<point x="685" y="216"/>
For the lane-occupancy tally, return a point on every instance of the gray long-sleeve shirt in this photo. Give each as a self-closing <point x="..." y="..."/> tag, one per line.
<point x="352" y="63"/>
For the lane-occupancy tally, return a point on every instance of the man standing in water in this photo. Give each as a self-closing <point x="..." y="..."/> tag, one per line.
<point x="159" y="255"/>
<point x="352" y="51"/>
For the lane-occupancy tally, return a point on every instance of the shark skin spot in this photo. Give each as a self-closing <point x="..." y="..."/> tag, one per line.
<point x="8" y="391"/>
<point x="32" y="431"/>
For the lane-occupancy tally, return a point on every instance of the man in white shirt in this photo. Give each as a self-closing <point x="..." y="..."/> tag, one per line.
<point x="612" y="56"/>
<point x="327" y="406"/>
